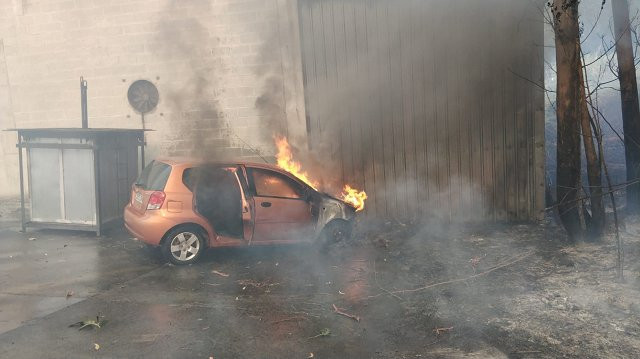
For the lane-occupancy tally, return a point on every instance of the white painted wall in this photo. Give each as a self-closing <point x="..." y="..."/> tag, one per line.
<point x="211" y="61"/>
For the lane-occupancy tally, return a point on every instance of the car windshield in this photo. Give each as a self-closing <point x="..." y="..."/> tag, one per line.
<point x="154" y="177"/>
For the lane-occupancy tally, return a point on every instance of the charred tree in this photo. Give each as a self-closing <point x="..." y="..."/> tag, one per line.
<point x="594" y="164"/>
<point x="629" y="99"/>
<point x="567" y="41"/>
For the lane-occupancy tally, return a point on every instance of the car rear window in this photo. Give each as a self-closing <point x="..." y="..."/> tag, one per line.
<point x="154" y="177"/>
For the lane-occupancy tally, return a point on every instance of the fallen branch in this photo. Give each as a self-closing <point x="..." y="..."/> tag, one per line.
<point x="219" y="273"/>
<point x="323" y="333"/>
<point x="375" y="277"/>
<point x="527" y="352"/>
<point x="612" y="189"/>
<point x="98" y="323"/>
<point x="503" y="265"/>
<point x="291" y="319"/>
<point x="510" y="262"/>
<point x="212" y="284"/>
<point x="252" y="283"/>
<point x="439" y="331"/>
<point x="341" y="312"/>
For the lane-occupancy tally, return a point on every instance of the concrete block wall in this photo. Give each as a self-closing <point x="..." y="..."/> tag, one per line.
<point x="228" y="72"/>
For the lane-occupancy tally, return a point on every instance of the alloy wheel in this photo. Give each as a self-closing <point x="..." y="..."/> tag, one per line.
<point x="184" y="246"/>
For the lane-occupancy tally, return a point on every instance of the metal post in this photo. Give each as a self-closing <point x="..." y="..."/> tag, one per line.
<point x="96" y="183"/>
<point x="83" y="103"/>
<point x="142" y="151"/>
<point x="23" y="221"/>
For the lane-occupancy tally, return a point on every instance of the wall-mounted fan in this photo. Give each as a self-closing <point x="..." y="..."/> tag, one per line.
<point x="143" y="97"/>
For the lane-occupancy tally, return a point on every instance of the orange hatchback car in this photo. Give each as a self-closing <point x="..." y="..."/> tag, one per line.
<point x="185" y="206"/>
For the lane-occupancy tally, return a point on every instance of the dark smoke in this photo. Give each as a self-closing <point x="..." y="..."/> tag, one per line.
<point x="363" y="99"/>
<point x="196" y="123"/>
<point x="270" y="104"/>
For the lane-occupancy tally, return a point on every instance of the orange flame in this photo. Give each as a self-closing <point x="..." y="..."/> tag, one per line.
<point x="354" y="197"/>
<point x="285" y="160"/>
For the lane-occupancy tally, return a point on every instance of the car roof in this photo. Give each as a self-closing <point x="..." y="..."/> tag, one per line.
<point x="186" y="161"/>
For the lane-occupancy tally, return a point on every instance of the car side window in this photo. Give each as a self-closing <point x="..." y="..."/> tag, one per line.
<point x="272" y="184"/>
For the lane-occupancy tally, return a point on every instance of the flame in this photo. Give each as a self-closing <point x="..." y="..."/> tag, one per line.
<point x="285" y="161"/>
<point x="354" y="197"/>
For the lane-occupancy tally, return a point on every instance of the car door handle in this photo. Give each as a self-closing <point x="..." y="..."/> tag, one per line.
<point x="265" y="204"/>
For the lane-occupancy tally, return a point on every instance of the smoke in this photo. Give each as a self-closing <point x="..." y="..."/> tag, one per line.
<point x="196" y="125"/>
<point x="399" y="103"/>
<point x="270" y="105"/>
<point x="596" y="40"/>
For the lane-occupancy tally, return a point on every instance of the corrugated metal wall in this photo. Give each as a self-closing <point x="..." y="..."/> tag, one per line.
<point x="429" y="105"/>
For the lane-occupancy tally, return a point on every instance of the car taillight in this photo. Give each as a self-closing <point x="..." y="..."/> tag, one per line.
<point x="156" y="200"/>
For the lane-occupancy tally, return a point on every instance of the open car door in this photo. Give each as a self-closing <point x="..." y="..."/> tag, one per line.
<point x="220" y="198"/>
<point x="282" y="213"/>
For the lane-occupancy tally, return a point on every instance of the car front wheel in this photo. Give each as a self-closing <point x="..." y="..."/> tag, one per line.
<point x="336" y="231"/>
<point x="183" y="245"/>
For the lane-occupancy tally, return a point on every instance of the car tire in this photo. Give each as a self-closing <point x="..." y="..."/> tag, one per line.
<point x="335" y="232"/>
<point x="183" y="245"/>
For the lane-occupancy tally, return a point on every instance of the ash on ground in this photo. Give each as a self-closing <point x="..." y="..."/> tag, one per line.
<point x="504" y="291"/>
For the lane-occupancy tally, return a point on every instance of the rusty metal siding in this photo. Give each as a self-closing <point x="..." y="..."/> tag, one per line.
<point x="424" y="103"/>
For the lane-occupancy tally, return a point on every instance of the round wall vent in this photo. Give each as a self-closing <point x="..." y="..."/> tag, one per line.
<point x="143" y="96"/>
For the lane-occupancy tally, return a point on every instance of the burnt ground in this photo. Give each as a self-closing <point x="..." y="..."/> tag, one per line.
<point x="504" y="291"/>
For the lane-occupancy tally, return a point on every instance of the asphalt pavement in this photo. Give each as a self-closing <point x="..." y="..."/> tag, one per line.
<point x="235" y="303"/>
<point x="261" y="302"/>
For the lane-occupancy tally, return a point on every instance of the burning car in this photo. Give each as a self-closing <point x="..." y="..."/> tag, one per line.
<point x="185" y="206"/>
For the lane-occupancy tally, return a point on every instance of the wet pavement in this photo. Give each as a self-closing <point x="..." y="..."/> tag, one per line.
<point x="44" y="271"/>
<point x="262" y="302"/>
<point x="252" y="302"/>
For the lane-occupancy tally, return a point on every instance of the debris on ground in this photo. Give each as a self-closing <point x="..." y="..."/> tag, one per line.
<point x="291" y="319"/>
<point x="530" y="286"/>
<point x="475" y="261"/>
<point x="222" y="274"/>
<point x="70" y="294"/>
<point x="96" y="346"/>
<point x="439" y="331"/>
<point x="97" y="323"/>
<point x="146" y="338"/>
<point x="252" y="283"/>
<point x="323" y="333"/>
<point x="343" y="313"/>
<point x="380" y="242"/>
<point x="310" y="356"/>
<point x="32" y="239"/>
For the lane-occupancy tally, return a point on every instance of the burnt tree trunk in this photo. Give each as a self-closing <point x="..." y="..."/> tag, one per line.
<point x="594" y="168"/>
<point x="629" y="98"/>
<point x="568" y="98"/>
